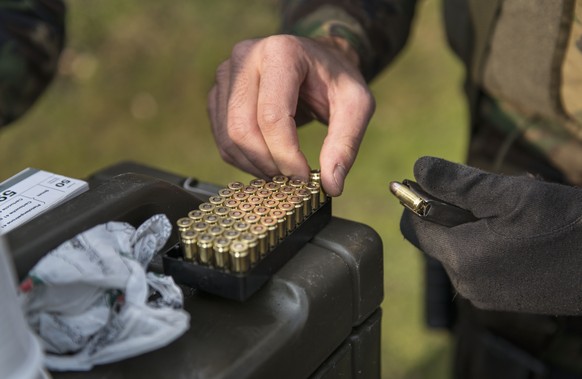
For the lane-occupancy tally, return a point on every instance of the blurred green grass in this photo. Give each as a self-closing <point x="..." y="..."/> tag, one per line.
<point x="133" y="84"/>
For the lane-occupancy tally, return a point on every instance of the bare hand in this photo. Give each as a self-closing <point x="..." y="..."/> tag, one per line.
<point x="253" y="106"/>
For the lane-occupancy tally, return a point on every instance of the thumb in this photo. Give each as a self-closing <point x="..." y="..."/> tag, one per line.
<point x="347" y="125"/>
<point x="467" y="187"/>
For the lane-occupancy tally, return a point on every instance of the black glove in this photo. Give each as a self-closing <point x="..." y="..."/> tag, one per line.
<point x="524" y="253"/>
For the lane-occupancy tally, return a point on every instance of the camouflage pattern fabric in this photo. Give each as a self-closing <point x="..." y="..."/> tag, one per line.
<point x="557" y="137"/>
<point x="549" y="138"/>
<point x="376" y="29"/>
<point x="32" y="34"/>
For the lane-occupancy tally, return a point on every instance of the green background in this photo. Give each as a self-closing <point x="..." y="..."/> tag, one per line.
<point x="133" y="84"/>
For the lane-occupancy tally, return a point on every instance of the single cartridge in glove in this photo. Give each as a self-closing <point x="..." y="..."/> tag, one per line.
<point x="428" y="207"/>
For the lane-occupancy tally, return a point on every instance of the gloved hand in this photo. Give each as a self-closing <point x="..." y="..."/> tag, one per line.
<point x="524" y="253"/>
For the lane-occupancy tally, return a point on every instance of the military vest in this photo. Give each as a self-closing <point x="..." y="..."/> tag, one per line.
<point x="525" y="56"/>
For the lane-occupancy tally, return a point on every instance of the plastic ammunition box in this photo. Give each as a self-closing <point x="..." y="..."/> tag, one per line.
<point x="318" y="316"/>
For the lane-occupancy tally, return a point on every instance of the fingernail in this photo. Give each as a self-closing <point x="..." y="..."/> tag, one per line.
<point x="339" y="175"/>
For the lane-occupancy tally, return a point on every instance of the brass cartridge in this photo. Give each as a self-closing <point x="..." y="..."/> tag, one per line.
<point x="270" y="203"/>
<point x="252" y="245"/>
<point x="205" y="251"/>
<point x="241" y="226"/>
<point x="184" y="223"/>
<point x="280" y="180"/>
<point x="306" y="196"/>
<point x="261" y="210"/>
<point x="271" y="186"/>
<point x="249" y="190"/>
<point x="239" y="257"/>
<point x="315" y="190"/>
<point x="271" y="224"/>
<point x="206" y="207"/>
<point x="226" y="222"/>
<point x="211" y="218"/>
<point x="264" y="193"/>
<point x="246" y="207"/>
<point x="260" y="231"/>
<point x="251" y="218"/>
<point x="221" y="211"/>
<point x="196" y="215"/>
<point x="279" y="196"/>
<point x="255" y="200"/>
<point x="235" y="186"/>
<point x="240" y="196"/>
<point x="259" y="183"/>
<point x="289" y="210"/>
<point x="279" y="215"/>
<point x="221" y="252"/>
<point x="236" y="215"/>
<point x="226" y="193"/>
<point x="297" y="183"/>
<point x="231" y="234"/>
<point x="315" y="176"/>
<point x="409" y="198"/>
<point x="200" y="226"/>
<point x="287" y="190"/>
<point x="298" y="204"/>
<point x="216" y="200"/>
<point x="231" y="203"/>
<point x="215" y="230"/>
<point x="189" y="247"/>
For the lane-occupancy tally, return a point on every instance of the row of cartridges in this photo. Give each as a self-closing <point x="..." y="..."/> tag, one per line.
<point x="241" y="224"/>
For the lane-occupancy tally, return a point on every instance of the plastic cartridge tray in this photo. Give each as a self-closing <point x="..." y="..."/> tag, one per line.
<point x="241" y="285"/>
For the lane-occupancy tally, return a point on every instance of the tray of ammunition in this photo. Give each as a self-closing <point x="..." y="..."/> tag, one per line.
<point x="231" y="245"/>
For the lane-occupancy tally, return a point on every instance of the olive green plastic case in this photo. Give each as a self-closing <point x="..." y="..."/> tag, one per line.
<point x="318" y="316"/>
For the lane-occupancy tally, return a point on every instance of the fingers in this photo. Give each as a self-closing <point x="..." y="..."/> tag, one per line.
<point x="483" y="193"/>
<point x="350" y="113"/>
<point x="280" y="79"/>
<point x="467" y="187"/>
<point x="217" y="109"/>
<point x="241" y="111"/>
<point x="255" y="129"/>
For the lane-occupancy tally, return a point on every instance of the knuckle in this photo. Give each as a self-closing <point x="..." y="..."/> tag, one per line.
<point x="361" y="99"/>
<point x="281" y="43"/>
<point x="270" y="115"/>
<point x="238" y="130"/>
<point x="369" y="102"/>
<point x="242" y="49"/>
<point x="280" y="50"/>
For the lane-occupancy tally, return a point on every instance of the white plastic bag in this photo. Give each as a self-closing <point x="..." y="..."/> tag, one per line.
<point x="88" y="299"/>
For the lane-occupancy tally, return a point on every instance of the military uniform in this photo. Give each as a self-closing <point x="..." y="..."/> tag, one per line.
<point x="523" y="63"/>
<point x="32" y="36"/>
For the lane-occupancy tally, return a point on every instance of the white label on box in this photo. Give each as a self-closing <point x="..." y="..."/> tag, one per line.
<point x="32" y="192"/>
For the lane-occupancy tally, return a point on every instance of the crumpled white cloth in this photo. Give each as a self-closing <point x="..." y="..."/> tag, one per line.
<point x="90" y="300"/>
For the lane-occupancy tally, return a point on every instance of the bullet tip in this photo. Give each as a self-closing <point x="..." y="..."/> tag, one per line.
<point x="394" y="186"/>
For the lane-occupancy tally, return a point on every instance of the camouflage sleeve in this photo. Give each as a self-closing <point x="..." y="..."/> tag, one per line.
<point x="32" y="34"/>
<point x="376" y="29"/>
